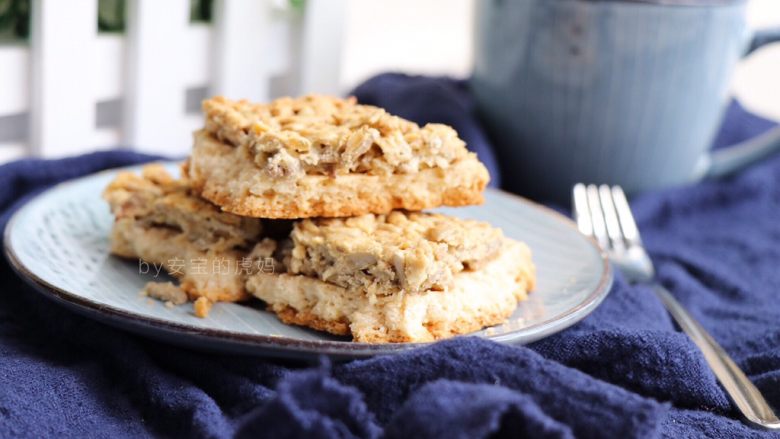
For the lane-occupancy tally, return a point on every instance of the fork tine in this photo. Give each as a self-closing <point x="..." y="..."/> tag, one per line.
<point x="581" y="209"/>
<point x="627" y="223"/>
<point x="611" y="218"/>
<point x="597" y="216"/>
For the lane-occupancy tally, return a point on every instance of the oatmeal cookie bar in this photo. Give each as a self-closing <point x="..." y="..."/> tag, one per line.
<point x="400" y="277"/>
<point x="474" y="300"/>
<point x="408" y="251"/>
<point x="159" y="220"/>
<point x="319" y="156"/>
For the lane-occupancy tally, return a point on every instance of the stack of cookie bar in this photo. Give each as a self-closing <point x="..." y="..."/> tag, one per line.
<point x="313" y="206"/>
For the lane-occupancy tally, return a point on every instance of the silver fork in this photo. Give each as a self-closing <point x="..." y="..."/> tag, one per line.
<point x="603" y="213"/>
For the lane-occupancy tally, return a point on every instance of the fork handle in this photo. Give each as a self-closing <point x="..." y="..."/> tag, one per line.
<point x="744" y="394"/>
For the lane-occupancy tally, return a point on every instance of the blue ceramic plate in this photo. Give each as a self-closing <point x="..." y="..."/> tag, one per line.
<point x="59" y="243"/>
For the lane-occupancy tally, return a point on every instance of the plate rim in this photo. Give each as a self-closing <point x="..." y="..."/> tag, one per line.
<point x="280" y="345"/>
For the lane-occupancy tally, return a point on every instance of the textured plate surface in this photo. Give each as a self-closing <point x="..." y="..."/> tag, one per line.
<point x="59" y="243"/>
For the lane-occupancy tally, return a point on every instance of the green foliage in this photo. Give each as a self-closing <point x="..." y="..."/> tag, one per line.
<point x="111" y="15"/>
<point x="14" y="19"/>
<point x="200" y="10"/>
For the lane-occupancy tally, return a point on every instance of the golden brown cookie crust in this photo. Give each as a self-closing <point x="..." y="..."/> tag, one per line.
<point x="292" y="316"/>
<point x="224" y="175"/>
<point x="159" y="220"/>
<point x="180" y="258"/>
<point x="477" y="299"/>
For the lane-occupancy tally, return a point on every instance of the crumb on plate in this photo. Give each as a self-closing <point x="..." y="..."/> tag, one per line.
<point x="166" y="292"/>
<point x="202" y="307"/>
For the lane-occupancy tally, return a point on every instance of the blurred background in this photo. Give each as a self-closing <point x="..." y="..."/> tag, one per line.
<point x="84" y="74"/>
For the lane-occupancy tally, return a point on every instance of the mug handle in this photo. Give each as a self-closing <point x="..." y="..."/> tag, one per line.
<point x="726" y="161"/>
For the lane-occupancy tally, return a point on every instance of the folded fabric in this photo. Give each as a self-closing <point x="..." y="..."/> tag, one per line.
<point x="624" y="371"/>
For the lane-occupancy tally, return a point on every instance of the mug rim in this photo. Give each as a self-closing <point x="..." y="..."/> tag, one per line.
<point x="682" y="3"/>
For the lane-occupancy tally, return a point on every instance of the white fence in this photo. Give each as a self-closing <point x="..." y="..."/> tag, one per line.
<point x="71" y="89"/>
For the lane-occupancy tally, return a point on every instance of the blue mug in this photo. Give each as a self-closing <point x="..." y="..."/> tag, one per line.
<point x="627" y="92"/>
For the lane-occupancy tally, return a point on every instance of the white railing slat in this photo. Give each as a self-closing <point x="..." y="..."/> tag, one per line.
<point x="154" y="90"/>
<point x="109" y="66"/>
<point x="12" y="151"/>
<point x="62" y="105"/>
<point x="240" y="50"/>
<point x="198" y="48"/>
<point x="14" y="79"/>
<point x="104" y="137"/>
<point x="321" y="47"/>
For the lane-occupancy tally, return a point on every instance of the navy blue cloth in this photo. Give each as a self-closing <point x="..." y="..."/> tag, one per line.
<point x="625" y="371"/>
